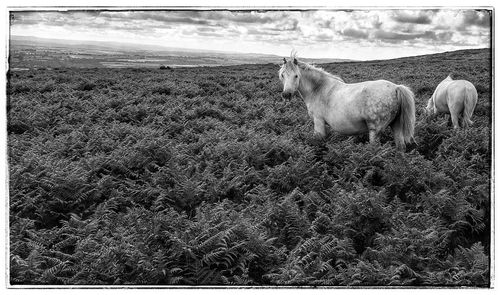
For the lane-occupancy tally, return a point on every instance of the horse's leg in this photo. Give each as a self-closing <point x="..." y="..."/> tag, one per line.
<point x="373" y="131"/>
<point x="448" y="117"/>
<point x="465" y="122"/>
<point x="454" y="119"/>
<point x="374" y="138"/>
<point x="319" y="127"/>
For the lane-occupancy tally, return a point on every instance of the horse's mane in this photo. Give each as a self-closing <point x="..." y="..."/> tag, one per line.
<point x="307" y="67"/>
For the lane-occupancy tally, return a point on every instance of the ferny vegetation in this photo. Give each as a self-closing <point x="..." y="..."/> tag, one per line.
<point x="205" y="176"/>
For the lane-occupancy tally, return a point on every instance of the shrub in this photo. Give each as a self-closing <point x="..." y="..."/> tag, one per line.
<point x="85" y="86"/>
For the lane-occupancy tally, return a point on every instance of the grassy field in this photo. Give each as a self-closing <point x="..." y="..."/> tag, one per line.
<point x="204" y="176"/>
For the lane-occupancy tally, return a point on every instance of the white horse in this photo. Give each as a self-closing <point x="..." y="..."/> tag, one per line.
<point x="453" y="97"/>
<point x="350" y="108"/>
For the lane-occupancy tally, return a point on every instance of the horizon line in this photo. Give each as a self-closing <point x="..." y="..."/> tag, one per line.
<point x="233" y="52"/>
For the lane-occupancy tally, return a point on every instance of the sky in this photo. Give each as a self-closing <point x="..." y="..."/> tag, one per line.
<point x="362" y="34"/>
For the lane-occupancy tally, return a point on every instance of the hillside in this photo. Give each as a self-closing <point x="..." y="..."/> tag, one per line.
<point x="205" y="176"/>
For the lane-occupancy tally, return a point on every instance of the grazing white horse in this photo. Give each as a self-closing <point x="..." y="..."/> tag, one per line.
<point x="453" y="97"/>
<point x="350" y="108"/>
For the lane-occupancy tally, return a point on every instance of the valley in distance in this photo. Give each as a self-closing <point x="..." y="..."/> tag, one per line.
<point x="35" y="53"/>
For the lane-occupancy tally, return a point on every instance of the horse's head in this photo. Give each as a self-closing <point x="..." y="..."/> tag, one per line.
<point x="289" y="75"/>
<point x="429" y="109"/>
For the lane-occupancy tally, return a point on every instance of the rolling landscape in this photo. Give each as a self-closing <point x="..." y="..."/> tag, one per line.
<point x="34" y="53"/>
<point x="122" y="173"/>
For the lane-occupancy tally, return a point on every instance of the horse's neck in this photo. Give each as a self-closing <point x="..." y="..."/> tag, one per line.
<point x="312" y="83"/>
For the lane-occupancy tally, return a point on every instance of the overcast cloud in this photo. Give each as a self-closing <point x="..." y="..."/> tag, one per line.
<point x="355" y="34"/>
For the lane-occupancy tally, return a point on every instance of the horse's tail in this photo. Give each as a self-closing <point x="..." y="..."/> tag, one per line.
<point x="406" y="114"/>
<point x="469" y="104"/>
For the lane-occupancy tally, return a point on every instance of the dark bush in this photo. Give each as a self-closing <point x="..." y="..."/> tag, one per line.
<point x="85" y="86"/>
<point x="161" y="89"/>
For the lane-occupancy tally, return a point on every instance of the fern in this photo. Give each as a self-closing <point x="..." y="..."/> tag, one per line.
<point x="207" y="179"/>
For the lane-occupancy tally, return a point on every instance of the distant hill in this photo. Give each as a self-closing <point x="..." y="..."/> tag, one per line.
<point x="469" y="54"/>
<point x="33" y="52"/>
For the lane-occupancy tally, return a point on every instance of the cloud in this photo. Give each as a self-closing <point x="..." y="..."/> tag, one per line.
<point x="391" y="36"/>
<point x="242" y="16"/>
<point x="323" y="38"/>
<point x="20" y="20"/>
<point x="173" y="17"/>
<point x="376" y="23"/>
<point x="286" y="25"/>
<point x="476" y="18"/>
<point x="325" y="23"/>
<point x="195" y="17"/>
<point x="350" y="32"/>
<point x="249" y="17"/>
<point x="54" y="19"/>
<point x="431" y="29"/>
<point x="178" y="18"/>
<point x="31" y="18"/>
<point x="206" y="29"/>
<point x="258" y="32"/>
<point x="212" y="34"/>
<point x="81" y="21"/>
<point x="405" y="17"/>
<point x="444" y="36"/>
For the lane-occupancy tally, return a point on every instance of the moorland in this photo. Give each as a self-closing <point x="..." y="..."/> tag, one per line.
<point x="205" y="176"/>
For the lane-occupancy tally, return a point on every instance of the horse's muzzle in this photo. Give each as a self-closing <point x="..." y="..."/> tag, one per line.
<point x="286" y="95"/>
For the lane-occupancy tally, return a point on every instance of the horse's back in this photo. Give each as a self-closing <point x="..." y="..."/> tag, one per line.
<point x="358" y="95"/>
<point x="458" y="91"/>
<point x="452" y="94"/>
<point x="458" y="86"/>
<point x="454" y="86"/>
<point x="376" y="88"/>
<point x="373" y="84"/>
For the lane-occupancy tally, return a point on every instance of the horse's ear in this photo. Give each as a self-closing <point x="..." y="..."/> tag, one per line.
<point x="284" y="60"/>
<point x="295" y="61"/>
